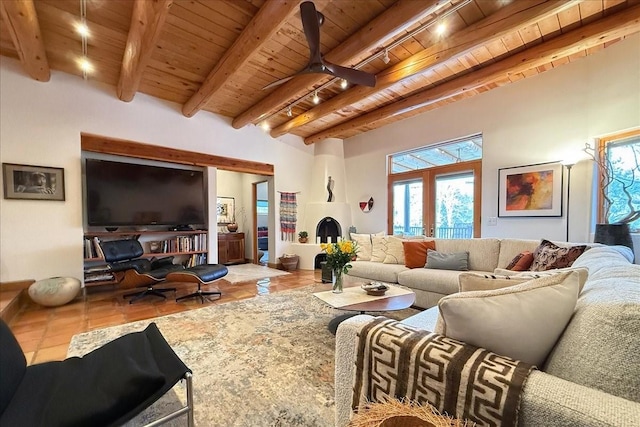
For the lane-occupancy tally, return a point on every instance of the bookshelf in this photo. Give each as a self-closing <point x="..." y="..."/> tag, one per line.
<point x="190" y="248"/>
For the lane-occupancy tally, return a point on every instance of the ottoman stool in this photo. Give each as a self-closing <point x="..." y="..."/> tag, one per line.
<point x="200" y="274"/>
<point x="54" y="291"/>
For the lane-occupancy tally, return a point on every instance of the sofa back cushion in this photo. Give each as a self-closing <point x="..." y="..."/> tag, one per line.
<point x="509" y="248"/>
<point x="599" y="348"/>
<point x="483" y="253"/>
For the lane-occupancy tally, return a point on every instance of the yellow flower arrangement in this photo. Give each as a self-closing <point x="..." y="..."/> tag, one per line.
<point x="340" y="254"/>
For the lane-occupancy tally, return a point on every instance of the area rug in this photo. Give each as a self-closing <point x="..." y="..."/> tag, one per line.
<point x="248" y="272"/>
<point x="265" y="361"/>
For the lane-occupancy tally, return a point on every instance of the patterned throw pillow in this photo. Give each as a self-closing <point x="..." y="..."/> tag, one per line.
<point x="379" y="248"/>
<point x="521" y="262"/>
<point x="395" y="252"/>
<point x="415" y="252"/>
<point x="486" y="282"/>
<point x="548" y="255"/>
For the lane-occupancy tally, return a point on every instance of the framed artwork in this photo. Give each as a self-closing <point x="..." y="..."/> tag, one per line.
<point x="226" y="208"/>
<point x="529" y="191"/>
<point x="32" y="182"/>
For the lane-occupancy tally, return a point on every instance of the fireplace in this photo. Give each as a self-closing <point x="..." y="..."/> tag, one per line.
<point x="328" y="230"/>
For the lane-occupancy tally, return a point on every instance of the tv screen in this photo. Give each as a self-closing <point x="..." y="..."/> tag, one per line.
<point x="120" y="194"/>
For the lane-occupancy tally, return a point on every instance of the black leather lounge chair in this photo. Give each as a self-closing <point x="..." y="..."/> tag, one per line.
<point x="107" y="387"/>
<point x="124" y="255"/>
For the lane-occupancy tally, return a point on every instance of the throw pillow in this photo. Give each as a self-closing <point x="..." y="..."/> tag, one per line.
<point x="458" y="261"/>
<point x="468" y="282"/>
<point x="415" y="252"/>
<point x="548" y="255"/>
<point x="395" y="252"/>
<point x="364" y="246"/>
<point x="521" y="262"/>
<point x="498" y="320"/>
<point x="583" y="274"/>
<point x="379" y="248"/>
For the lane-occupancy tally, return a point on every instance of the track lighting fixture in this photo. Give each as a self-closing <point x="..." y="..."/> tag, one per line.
<point x="289" y="112"/>
<point x="441" y="28"/>
<point x="385" y="57"/>
<point x="344" y="83"/>
<point x="316" y="98"/>
<point x="265" y="126"/>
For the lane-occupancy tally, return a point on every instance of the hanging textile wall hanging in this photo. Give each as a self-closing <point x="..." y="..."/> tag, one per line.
<point x="288" y="211"/>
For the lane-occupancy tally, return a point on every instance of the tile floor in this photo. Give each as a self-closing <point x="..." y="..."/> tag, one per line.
<point x="44" y="333"/>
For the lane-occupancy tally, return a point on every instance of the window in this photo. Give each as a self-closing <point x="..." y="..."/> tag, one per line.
<point x="621" y="197"/>
<point x="435" y="190"/>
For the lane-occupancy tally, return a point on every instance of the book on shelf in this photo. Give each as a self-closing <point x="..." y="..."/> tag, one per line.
<point x="98" y="277"/>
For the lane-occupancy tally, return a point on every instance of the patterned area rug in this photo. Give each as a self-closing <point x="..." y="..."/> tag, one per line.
<point x="248" y="272"/>
<point x="265" y="361"/>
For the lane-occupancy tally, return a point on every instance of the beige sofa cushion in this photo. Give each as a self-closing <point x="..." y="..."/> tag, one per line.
<point x="483" y="253"/>
<point x="376" y="271"/>
<point x="509" y="248"/>
<point x="599" y="348"/>
<point x="364" y="246"/>
<point x="500" y="320"/>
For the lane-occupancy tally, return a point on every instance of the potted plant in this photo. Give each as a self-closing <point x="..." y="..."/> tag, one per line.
<point x="303" y="236"/>
<point x="617" y="232"/>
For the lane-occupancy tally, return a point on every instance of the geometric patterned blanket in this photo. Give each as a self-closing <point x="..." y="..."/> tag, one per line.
<point x="460" y="380"/>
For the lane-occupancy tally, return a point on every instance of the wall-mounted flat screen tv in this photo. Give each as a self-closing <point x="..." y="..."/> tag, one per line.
<point x="121" y="194"/>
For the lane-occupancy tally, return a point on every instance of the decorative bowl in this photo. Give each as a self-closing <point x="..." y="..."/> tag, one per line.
<point x="375" y="289"/>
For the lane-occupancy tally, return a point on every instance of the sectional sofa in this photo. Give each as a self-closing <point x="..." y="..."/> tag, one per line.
<point x="590" y="376"/>
<point x="485" y="256"/>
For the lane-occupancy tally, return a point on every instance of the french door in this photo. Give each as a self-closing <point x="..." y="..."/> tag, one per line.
<point x="441" y="202"/>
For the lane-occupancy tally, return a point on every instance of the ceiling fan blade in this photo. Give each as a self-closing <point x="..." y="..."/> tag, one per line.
<point x="351" y="74"/>
<point x="311" y="25"/>
<point x="278" y="82"/>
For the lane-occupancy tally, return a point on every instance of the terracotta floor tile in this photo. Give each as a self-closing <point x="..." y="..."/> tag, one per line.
<point x="48" y="354"/>
<point x="44" y="333"/>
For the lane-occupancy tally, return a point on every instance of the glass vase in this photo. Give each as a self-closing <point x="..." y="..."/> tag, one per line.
<point x="336" y="280"/>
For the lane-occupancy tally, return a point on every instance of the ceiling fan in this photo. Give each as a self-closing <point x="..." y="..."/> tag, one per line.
<point x="311" y="22"/>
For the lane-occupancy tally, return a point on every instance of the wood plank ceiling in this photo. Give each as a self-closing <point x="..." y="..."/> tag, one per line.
<point x="217" y="55"/>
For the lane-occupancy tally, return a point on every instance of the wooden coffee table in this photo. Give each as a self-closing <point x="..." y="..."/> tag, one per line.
<point x="355" y="299"/>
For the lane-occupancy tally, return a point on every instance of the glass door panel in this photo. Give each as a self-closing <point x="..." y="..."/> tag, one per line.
<point x="408" y="207"/>
<point x="454" y="206"/>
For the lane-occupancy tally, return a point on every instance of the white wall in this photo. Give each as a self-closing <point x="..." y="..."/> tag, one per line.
<point x="40" y="124"/>
<point x="539" y="119"/>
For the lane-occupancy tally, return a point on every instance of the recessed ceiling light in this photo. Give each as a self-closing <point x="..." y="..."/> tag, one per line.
<point x="441" y="28"/>
<point x="85" y="65"/>
<point x="82" y="29"/>
<point x="265" y="126"/>
<point x="344" y="83"/>
<point x="316" y="98"/>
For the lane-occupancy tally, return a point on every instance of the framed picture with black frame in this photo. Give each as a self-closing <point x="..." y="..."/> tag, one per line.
<point x="30" y="182"/>
<point x="530" y="190"/>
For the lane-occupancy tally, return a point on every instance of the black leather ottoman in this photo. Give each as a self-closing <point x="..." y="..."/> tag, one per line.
<point x="200" y="274"/>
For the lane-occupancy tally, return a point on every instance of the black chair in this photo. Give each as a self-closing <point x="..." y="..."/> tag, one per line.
<point x="124" y="255"/>
<point x="106" y="387"/>
<point x="204" y="274"/>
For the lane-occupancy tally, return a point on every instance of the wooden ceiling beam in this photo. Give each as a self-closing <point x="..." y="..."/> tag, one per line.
<point x="507" y="19"/>
<point x="147" y="20"/>
<point x="271" y="16"/>
<point x="22" y="24"/>
<point x="394" y="20"/>
<point x="612" y="27"/>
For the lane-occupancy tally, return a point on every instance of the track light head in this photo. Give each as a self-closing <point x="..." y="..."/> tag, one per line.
<point x="385" y="57"/>
<point x="316" y="98"/>
<point x="344" y="83"/>
<point x="289" y="112"/>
